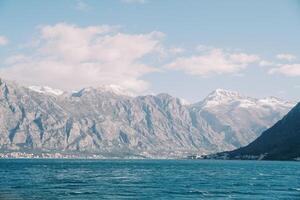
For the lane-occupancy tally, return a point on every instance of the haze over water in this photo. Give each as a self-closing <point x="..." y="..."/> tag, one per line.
<point x="148" y="179"/>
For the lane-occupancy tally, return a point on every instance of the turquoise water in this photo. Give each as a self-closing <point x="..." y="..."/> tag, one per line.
<point x="148" y="179"/>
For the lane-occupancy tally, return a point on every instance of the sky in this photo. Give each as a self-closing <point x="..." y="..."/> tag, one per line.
<point x="184" y="48"/>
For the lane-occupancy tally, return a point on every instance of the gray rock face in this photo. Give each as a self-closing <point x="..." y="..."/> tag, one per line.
<point x="103" y="121"/>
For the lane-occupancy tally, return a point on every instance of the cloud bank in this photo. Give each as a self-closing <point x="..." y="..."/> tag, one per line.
<point x="71" y="57"/>
<point x="213" y="61"/>
<point x="286" y="57"/>
<point x="291" y="70"/>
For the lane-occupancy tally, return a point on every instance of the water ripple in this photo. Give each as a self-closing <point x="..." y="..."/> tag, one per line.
<point x="148" y="179"/>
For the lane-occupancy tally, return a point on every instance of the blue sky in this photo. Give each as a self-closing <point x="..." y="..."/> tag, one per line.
<point x="185" y="48"/>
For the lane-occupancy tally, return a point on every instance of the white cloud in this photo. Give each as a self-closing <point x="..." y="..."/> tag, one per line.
<point x="265" y="63"/>
<point x="133" y="1"/>
<point x="213" y="61"/>
<point x="286" y="57"/>
<point x="3" y="40"/>
<point x="81" y="5"/>
<point x="288" y="70"/>
<point x="71" y="57"/>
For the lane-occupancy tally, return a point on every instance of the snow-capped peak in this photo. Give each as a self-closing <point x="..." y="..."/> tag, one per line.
<point x="225" y="97"/>
<point x="222" y="93"/>
<point x="221" y="96"/>
<point x="115" y="89"/>
<point x="46" y="90"/>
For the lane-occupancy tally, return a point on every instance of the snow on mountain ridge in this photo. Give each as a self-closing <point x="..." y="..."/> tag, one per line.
<point x="184" y="102"/>
<point x="274" y="101"/>
<point x="115" y="89"/>
<point x="46" y="90"/>
<point x="215" y="98"/>
<point x="224" y="97"/>
<point x="224" y="92"/>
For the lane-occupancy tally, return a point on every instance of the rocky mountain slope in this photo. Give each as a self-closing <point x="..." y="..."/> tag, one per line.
<point x="110" y="122"/>
<point x="280" y="142"/>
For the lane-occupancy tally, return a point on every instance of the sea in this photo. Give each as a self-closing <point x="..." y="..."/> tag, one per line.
<point x="64" y="179"/>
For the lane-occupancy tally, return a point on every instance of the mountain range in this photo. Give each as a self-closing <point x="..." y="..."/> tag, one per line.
<point x="280" y="142"/>
<point x="110" y="122"/>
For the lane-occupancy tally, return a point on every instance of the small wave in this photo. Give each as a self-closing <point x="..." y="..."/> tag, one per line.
<point x="81" y="193"/>
<point x="262" y="174"/>
<point x="201" y="192"/>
